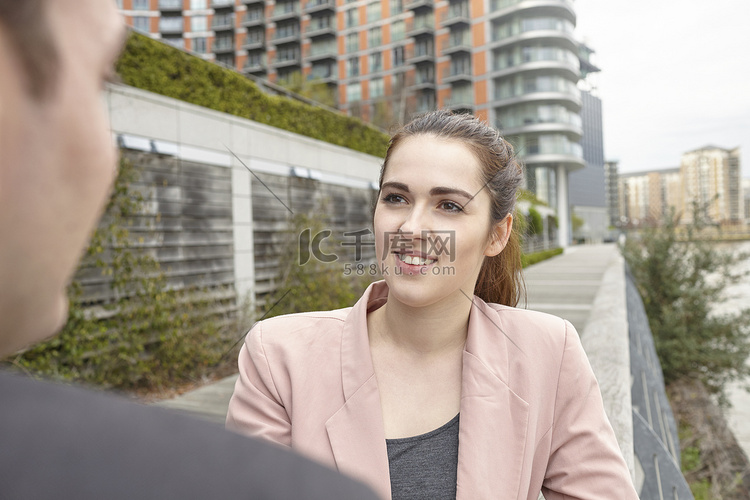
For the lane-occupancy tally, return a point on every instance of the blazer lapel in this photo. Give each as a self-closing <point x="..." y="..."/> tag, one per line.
<point x="494" y="420"/>
<point x="356" y="430"/>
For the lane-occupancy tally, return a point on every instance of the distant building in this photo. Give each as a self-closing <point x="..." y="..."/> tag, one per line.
<point x="611" y="176"/>
<point x="588" y="198"/>
<point x="746" y="193"/>
<point x="711" y="177"/>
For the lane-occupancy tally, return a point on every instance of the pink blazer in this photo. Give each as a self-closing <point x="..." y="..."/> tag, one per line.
<point x="531" y="412"/>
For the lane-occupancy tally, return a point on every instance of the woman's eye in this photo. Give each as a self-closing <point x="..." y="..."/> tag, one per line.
<point x="451" y="206"/>
<point x="393" y="198"/>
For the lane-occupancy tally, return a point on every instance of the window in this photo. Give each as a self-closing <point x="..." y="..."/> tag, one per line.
<point x="352" y="67"/>
<point x="198" y="4"/>
<point x="397" y="31"/>
<point x="175" y="42"/>
<point x="119" y="4"/>
<point x="398" y="56"/>
<point x="354" y="92"/>
<point x="142" y="23"/>
<point x="350" y="18"/>
<point x="352" y="42"/>
<point x="226" y="59"/>
<point x="373" y="11"/>
<point x="377" y="88"/>
<point x="397" y="7"/>
<point x="199" y="45"/>
<point x="287" y="53"/>
<point x="374" y="37"/>
<point x="141" y="4"/>
<point x="170" y="23"/>
<point x="376" y="62"/>
<point x="198" y="23"/>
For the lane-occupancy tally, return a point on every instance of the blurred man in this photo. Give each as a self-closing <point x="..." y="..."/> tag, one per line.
<point x="57" y="162"/>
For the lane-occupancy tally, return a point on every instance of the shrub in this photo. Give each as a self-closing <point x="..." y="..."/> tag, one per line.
<point x="157" y="67"/>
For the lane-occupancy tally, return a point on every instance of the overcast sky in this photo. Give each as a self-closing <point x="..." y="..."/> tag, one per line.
<point x="675" y="77"/>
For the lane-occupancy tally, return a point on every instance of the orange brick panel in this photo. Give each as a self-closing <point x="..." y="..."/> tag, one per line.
<point x="480" y="92"/>
<point x="479" y="63"/>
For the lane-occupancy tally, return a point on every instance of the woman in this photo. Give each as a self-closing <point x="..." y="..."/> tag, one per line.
<point x="434" y="385"/>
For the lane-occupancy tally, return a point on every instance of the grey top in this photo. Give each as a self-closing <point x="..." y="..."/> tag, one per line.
<point x="424" y="466"/>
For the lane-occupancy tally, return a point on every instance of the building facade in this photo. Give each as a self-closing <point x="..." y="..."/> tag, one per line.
<point x="513" y="63"/>
<point x="711" y="177"/>
<point x="708" y="178"/>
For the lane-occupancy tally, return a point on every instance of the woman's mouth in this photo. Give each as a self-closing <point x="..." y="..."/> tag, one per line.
<point x="414" y="260"/>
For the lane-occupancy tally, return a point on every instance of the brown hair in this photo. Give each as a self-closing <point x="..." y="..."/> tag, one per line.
<point x="500" y="279"/>
<point x="25" y="22"/>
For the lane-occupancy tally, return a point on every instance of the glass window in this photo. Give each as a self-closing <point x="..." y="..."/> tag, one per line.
<point x="374" y="37"/>
<point x="198" y="4"/>
<point x="354" y="92"/>
<point x="397" y="31"/>
<point x="352" y="42"/>
<point x="376" y="62"/>
<point x="142" y="23"/>
<point x="175" y="42"/>
<point x="377" y="88"/>
<point x="141" y="4"/>
<point x="118" y="3"/>
<point x="170" y="23"/>
<point x="397" y="7"/>
<point x="198" y="23"/>
<point x="398" y="56"/>
<point x="351" y="18"/>
<point x="373" y="11"/>
<point x="352" y="66"/>
<point x="199" y="45"/>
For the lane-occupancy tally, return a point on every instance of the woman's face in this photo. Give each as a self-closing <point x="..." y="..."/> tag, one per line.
<point x="432" y="222"/>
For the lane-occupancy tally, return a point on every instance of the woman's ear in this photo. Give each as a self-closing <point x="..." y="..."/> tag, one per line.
<point x="499" y="236"/>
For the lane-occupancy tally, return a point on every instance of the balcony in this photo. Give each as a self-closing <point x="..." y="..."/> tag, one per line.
<point x="223" y="46"/>
<point x="316" y="31"/>
<point x="170" y="5"/>
<point x="423" y="82"/>
<point x="457" y="74"/>
<point x="286" y="36"/>
<point x="170" y="25"/>
<point x="456" y="45"/>
<point x="457" y="17"/>
<point x="254" y="2"/>
<point x="224" y="23"/>
<point x="222" y="4"/>
<point x="420" y="55"/>
<point x="317" y="54"/>
<point x="324" y="74"/>
<point x="285" y="11"/>
<point x="255" y="66"/>
<point x="317" y="6"/>
<point x="252" y="19"/>
<point x="286" y="59"/>
<point x="460" y="103"/>
<point x="254" y="42"/>
<point x="420" y="27"/>
<point x="418" y="5"/>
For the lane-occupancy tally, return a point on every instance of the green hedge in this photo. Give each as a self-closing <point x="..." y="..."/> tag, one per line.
<point x="533" y="258"/>
<point x="160" y="68"/>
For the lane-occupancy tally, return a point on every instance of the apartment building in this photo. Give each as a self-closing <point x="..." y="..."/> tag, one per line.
<point x="711" y="177"/>
<point x="513" y="63"/>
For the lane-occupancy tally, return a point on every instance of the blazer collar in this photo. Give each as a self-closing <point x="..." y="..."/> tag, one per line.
<point x="494" y="420"/>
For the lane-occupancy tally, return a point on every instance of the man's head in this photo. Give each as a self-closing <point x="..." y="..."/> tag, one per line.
<point x="57" y="159"/>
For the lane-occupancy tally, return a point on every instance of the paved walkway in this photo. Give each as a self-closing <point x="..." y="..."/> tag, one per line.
<point x="565" y="286"/>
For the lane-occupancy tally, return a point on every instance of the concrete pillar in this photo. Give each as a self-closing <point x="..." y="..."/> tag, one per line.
<point x="563" y="215"/>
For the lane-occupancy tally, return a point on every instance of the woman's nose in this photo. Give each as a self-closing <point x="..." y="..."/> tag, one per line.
<point x="416" y="223"/>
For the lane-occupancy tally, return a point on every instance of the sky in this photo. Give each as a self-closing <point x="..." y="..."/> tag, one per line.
<point x="675" y="77"/>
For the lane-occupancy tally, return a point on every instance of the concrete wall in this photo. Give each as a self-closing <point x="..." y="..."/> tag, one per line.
<point x="144" y="121"/>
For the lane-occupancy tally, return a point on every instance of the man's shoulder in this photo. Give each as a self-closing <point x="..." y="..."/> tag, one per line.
<point x="77" y="443"/>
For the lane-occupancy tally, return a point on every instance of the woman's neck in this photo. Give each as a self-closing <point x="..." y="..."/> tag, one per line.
<point x="432" y="330"/>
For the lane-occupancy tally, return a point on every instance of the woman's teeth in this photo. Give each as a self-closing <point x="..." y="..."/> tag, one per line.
<point x="415" y="261"/>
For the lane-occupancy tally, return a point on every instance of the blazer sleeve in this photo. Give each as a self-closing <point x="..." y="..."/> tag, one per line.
<point x="256" y="407"/>
<point x="585" y="460"/>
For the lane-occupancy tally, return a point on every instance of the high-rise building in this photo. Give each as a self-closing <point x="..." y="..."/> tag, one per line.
<point x="513" y="63"/>
<point x="711" y="178"/>
<point x="611" y="181"/>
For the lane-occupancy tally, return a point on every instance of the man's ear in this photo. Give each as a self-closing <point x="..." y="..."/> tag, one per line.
<point x="499" y="236"/>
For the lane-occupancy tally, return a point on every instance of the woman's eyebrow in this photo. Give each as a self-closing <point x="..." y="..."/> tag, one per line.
<point x="447" y="190"/>
<point x="396" y="185"/>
